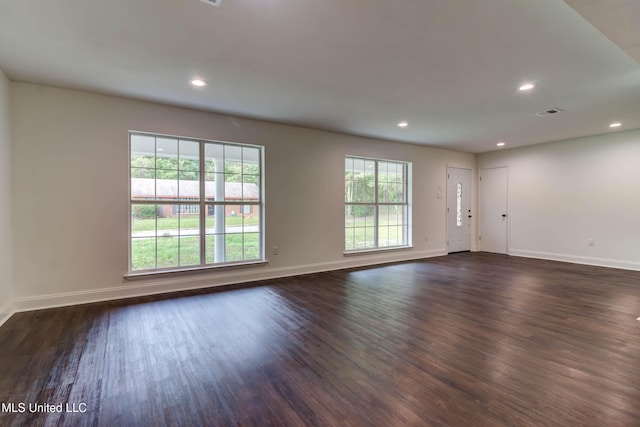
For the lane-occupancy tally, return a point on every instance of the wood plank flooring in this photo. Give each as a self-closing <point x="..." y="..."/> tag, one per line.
<point x="463" y="340"/>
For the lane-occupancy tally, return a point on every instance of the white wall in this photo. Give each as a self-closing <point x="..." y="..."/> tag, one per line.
<point x="564" y="193"/>
<point x="6" y="280"/>
<point x="70" y="194"/>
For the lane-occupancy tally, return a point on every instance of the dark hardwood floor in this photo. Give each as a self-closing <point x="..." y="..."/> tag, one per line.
<point x="462" y="340"/>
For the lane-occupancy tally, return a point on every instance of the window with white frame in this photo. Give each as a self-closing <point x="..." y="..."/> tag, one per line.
<point x="193" y="203"/>
<point x="376" y="199"/>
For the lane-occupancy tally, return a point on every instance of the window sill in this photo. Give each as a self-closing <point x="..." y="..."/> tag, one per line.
<point x="191" y="270"/>
<point x="376" y="250"/>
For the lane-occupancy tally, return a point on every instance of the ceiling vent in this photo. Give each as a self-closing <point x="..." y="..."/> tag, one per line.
<point x="549" y="112"/>
<point x="215" y="3"/>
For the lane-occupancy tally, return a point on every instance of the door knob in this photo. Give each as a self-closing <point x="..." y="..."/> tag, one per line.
<point x="504" y="215"/>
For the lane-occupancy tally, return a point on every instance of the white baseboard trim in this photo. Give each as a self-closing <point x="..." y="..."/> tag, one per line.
<point x="576" y="259"/>
<point x="154" y="286"/>
<point x="6" y="311"/>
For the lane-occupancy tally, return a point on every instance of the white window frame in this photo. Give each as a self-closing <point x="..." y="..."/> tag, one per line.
<point x="203" y="204"/>
<point x="407" y="241"/>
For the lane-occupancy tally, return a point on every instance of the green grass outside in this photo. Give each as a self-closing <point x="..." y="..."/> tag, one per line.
<point x="360" y="232"/>
<point x="185" y="251"/>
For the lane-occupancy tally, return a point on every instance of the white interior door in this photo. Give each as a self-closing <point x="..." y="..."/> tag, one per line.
<point x="458" y="209"/>
<point x="493" y="214"/>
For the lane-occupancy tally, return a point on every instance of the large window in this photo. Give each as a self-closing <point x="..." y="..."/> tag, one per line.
<point x="376" y="197"/>
<point x="194" y="203"/>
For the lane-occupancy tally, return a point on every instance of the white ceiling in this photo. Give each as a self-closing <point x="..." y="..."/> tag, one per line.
<point x="450" y="68"/>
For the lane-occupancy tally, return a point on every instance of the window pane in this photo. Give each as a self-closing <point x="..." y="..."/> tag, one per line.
<point x="143" y="220"/>
<point x="251" y="246"/>
<point x="214" y="219"/>
<point x="233" y="160"/>
<point x="210" y="249"/>
<point x="251" y="188"/>
<point x="210" y="187"/>
<point x="390" y="183"/>
<point x="389" y="237"/>
<point x="359" y="180"/>
<point x="232" y="189"/>
<point x="383" y="192"/>
<point x="168" y="250"/>
<point x="250" y="218"/>
<point x="143" y="241"/>
<point x="250" y="161"/>
<point x="168" y="221"/>
<point x="232" y="173"/>
<point x="349" y="238"/>
<point x="166" y="153"/>
<point x="233" y="219"/>
<point x="392" y="215"/>
<point x="143" y="151"/>
<point x="383" y="170"/>
<point x="214" y="158"/>
<point x="143" y="173"/>
<point x="370" y="181"/>
<point x="364" y="181"/>
<point x="233" y="247"/>
<point x="214" y="187"/>
<point x="189" y="156"/>
<point x="369" y="239"/>
<point x="358" y="165"/>
<point x="189" y="250"/>
<point x="398" y="195"/>
<point x="348" y="216"/>
<point x="189" y="186"/>
<point x="167" y="184"/>
<point x="363" y="223"/>
<point x="383" y="237"/>
<point x="392" y="221"/>
<point x="189" y="217"/>
<point x="143" y="184"/>
<point x="348" y="182"/>
<point x="143" y="253"/>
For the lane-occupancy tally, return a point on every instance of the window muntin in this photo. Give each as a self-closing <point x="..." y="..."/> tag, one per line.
<point x="376" y="204"/>
<point x="194" y="203"/>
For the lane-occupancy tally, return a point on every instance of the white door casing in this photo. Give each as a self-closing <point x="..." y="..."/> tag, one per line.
<point x="458" y="209"/>
<point x="493" y="210"/>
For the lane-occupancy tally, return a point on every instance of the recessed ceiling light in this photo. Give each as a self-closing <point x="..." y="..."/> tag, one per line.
<point x="198" y="83"/>
<point x="500" y="144"/>
<point x="615" y="125"/>
<point x="527" y="86"/>
<point x="403" y="124"/>
<point x="159" y="149"/>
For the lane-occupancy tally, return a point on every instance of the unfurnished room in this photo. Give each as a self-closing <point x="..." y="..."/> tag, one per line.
<point x="319" y="213"/>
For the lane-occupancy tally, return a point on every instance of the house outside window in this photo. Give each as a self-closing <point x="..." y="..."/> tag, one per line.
<point x="377" y="204"/>
<point x="194" y="203"/>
